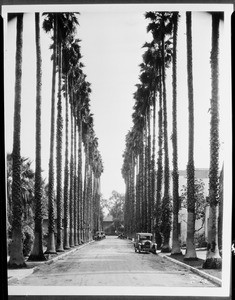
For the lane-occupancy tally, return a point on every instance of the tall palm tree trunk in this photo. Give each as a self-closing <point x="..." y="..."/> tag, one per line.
<point x="90" y="204"/>
<point x="59" y="134"/>
<point x="150" y="199"/>
<point x="16" y="248"/>
<point x="153" y="170"/>
<point x="71" y="225"/>
<point x="141" y="187"/>
<point x="80" y="204"/>
<point x="88" y="201"/>
<point x="221" y="214"/>
<point x="93" y="212"/>
<point x="37" y="252"/>
<point x="85" y="192"/>
<point x="133" y="202"/>
<point x="158" y="235"/>
<point x="166" y="209"/>
<point x="175" y="174"/>
<point x="75" y="184"/>
<point x="213" y="259"/>
<point x="190" y="246"/>
<point x="66" y="170"/>
<point x="146" y="191"/>
<point x="51" y="177"/>
<point x="138" y="204"/>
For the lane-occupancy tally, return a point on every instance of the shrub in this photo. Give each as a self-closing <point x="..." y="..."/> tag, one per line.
<point x="200" y="240"/>
<point x="28" y="237"/>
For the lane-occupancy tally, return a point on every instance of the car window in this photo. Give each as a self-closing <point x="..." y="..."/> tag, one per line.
<point x="145" y="238"/>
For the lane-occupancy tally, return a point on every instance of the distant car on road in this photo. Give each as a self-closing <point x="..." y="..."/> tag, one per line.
<point x="144" y="242"/>
<point x="99" y="235"/>
<point x="122" y="236"/>
<point x="103" y="235"/>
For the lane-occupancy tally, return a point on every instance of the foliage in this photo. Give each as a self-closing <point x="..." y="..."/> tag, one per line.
<point x="200" y="240"/>
<point x="200" y="200"/>
<point x="27" y="193"/>
<point x="116" y="205"/>
<point x="103" y="204"/>
<point x="28" y="238"/>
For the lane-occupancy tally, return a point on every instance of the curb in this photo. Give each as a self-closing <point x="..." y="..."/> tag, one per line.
<point x="195" y="270"/>
<point x="26" y="272"/>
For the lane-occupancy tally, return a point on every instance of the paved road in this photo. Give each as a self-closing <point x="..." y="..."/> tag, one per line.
<point x="113" y="262"/>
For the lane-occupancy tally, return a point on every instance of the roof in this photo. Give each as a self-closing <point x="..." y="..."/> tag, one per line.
<point x="144" y="233"/>
<point x="108" y="218"/>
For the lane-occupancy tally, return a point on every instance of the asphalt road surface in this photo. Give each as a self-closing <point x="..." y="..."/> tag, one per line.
<point x="113" y="262"/>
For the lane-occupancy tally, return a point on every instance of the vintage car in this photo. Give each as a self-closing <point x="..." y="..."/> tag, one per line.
<point x="103" y="235"/>
<point x="99" y="235"/>
<point x="122" y="236"/>
<point x="144" y="242"/>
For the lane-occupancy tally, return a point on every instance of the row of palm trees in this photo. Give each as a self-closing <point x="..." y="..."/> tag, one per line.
<point x="149" y="205"/>
<point x="77" y="199"/>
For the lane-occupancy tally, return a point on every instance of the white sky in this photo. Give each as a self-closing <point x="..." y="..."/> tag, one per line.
<point x="112" y="38"/>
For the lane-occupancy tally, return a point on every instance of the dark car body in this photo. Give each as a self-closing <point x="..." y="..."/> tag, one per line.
<point x="99" y="235"/>
<point x="122" y="236"/>
<point x="144" y="243"/>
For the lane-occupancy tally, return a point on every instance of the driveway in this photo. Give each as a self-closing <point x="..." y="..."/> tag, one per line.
<point x="113" y="262"/>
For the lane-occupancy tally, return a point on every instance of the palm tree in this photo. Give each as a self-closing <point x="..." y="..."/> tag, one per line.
<point x="158" y="205"/>
<point x="142" y="97"/>
<point x="74" y="86"/>
<point x="190" y="246"/>
<point x="59" y="136"/>
<point x="75" y="182"/>
<point x="213" y="259"/>
<point x="83" y="118"/>
<point x="48" y="24"/>
<point x="97" y="170"/>
<point x="16" y="248"/>
<point x="166" y="205"/>
<point x="147" y="78"/>
<point x="93" y="157"/>
<point x="160" y="27"/>
<point x="138" y="121"/>
<point x="70" y="59"/>
<point x="85" y="196"/>
<point x="66" y="170"/>
<point x="66" y="26"/>
<point x="175" y="175"/>
<point x="37" y="252"/>
<point x="71" y="236"/>
<point x="80" y="207"/>
<point x="126" y="177"/>
<point x="153" y="58"/>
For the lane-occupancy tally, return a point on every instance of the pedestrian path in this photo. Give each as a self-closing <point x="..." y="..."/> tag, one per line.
<point x="214" y="275"/>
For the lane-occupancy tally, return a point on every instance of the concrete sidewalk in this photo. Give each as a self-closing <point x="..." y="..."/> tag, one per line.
<point x="212" y="275"/>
